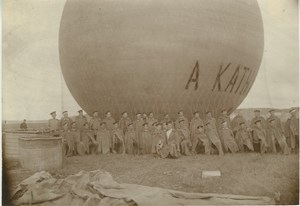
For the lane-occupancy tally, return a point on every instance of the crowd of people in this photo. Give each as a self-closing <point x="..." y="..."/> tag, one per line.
<point x="171" y="139"/>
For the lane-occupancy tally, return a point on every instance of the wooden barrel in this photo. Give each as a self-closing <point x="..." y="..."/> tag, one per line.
<point x="41" y="153"/>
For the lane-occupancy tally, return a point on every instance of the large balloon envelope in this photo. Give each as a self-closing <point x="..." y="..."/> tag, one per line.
<point x="160" y="55"/>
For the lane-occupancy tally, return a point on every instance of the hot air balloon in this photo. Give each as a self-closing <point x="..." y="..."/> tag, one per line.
<point x="160" y="55"/>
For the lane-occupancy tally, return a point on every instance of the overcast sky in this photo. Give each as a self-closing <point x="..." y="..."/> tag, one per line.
<point x="32" y="81"/>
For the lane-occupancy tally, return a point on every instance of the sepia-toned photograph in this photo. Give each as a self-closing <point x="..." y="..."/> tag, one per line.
<point x="150" y="102"/>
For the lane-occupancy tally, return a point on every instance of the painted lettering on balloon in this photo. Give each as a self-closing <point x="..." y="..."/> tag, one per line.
<point x="218" y="78"/>
<point x="236" y="83"/>
<point x="245" y="71"/>
<point x="194" y="77"/>
<point x="231" y="79"/>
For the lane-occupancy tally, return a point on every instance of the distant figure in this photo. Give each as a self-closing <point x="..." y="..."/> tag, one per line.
<point x="292" y="130"/>
<point x="53" y="125"/>
<point x="65" y="119"/>
<point x="23" y="126"/>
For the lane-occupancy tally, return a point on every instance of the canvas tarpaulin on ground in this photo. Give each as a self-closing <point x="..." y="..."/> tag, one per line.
<point x="99" y="188"/>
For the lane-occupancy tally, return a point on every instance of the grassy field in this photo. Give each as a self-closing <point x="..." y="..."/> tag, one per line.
<point x="242" y="174"/>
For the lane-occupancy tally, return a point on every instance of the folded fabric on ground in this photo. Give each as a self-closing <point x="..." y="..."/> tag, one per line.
<point x="98" y="187"/>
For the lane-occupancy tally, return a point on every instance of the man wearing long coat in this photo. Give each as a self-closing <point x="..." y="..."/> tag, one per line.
<point x="213" y="136"/>
<point x="277" y="136"/>
<point x="124" y="121"/>
<point x="184" y="138"/>
<point x="244" y="138"/>
<point x="170" y="146"/>
<point x="228" y="138"/>
<point x="260" y="135"/>
<point x="292" y="131"/>
<point x="146" y="140"/>
<point x="195" y="122"/>
<point x="131" y="143"/>
<point x="103" y="139"/>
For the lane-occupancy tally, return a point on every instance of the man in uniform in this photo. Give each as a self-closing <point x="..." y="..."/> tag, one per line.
<point x="75" y="133"/>
<point x="195" y="122"/>
<point x="88" y="143"/>
<point x="201" y="137"/>
<point x="138" y="127"/>
<point x="145" y="117"/>
<point x="213" y="136"/>
<point x="228" y="138"/>
<point x="95" y="123"/>
<point x="146" y="140"/>
<point x="151" y="120"/>
<point x="166" y="119"/>
<point x="69" y="144"/>
<point x="109" y="120"/>
<point x="277" y="136"/>
<point x="131" y="143"/>
<point x="184" y="138"/>
<point x="260" y="137"/>
<point x="271" y="143"/>
<point x="157" y="140"/>
<point x="243" y="138"/>
<point x="236" y="122"/>
<point x="118" y="144"/>
<point x="23" y="126"/>
<point x="170" y="147"/>
<point x="224" y="117"/>
<point x="124" y="121"/>
<point x="212" y="121"/>
<point x="181" y="117"/>
<point x="292" y="131"/>
<point x="53" y="125"/>
<point x="66" y="119"/>
<point x="257" y="116"/>
<point x="103" y="139"/>
<point x="80" y="120"/>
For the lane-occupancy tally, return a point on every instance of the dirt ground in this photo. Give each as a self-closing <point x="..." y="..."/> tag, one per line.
<point x="241" y="174"/>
